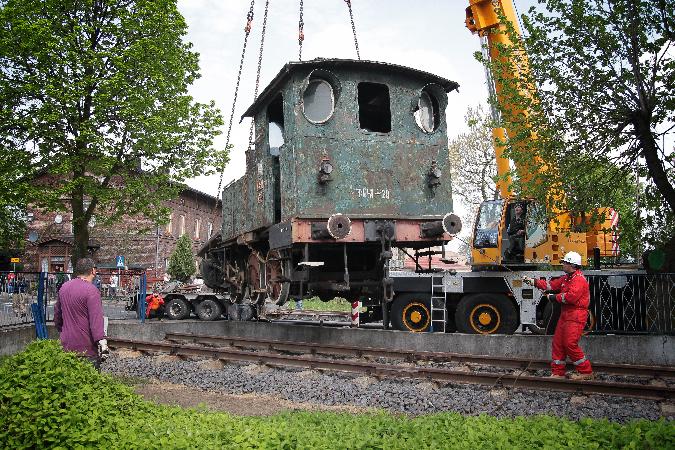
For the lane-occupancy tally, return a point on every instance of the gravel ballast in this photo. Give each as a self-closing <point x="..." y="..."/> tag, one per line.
<point x="406" y="396"/>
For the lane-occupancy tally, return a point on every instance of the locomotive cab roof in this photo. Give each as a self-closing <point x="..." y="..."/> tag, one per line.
<point x="289" y="69"/>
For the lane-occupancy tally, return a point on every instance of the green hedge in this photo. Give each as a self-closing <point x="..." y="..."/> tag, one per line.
<point x="51" y="399"/>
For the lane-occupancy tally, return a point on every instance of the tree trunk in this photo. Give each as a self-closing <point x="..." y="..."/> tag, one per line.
<point x="80" y="226"/>
<point x="654" y="163"/>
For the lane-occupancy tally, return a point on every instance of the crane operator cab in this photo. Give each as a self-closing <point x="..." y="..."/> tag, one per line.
<point x="517" y="232"/>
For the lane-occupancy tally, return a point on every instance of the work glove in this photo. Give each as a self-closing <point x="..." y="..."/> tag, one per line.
<point x="528" y="280"/>
<point x="551" y="298"/>
<point x="103" y="350"/>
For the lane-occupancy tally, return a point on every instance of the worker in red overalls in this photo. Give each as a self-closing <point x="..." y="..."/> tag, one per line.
<point x="574" y="296"/>
<point x="153" y="301"/>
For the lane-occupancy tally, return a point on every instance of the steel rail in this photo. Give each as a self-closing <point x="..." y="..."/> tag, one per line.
<point x="383" y="370"/>
<point x="347" y="350"/>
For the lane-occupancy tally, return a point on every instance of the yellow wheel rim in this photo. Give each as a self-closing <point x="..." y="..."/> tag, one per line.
<point x="416" y="316"/>
<point x="485" y="318"/>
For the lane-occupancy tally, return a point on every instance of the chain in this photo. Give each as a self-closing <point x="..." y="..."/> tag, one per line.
<point x="351" y="17"/>
<point x="301" y="33"/>
<point x="247" y="31"/>
<point x="257" y="78"/>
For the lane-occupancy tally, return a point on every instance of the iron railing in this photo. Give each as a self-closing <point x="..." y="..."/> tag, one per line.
<point x="633" y="303"/>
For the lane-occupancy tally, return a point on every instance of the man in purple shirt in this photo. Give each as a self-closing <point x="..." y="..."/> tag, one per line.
<point x="78" y="315"/>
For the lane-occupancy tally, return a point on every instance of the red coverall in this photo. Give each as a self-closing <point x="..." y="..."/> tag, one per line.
<point x="153" y="301"/>
<point x="574" y="297"/>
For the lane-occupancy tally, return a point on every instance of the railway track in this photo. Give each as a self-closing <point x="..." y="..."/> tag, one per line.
<point x="311" y="361"/>
<point x="410" y="356"/>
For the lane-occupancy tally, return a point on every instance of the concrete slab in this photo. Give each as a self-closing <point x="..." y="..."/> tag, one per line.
<point x="618" y="349"/>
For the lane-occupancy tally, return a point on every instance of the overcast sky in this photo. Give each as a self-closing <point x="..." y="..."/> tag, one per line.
<point x="424" y="34"/>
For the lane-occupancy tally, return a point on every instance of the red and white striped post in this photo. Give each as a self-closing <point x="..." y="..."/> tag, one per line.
<point x="356" y="307"/>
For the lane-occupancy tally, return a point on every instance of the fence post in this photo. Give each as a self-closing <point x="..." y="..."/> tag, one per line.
<point x="42" y="305"/>
<point x="142" y="293"/>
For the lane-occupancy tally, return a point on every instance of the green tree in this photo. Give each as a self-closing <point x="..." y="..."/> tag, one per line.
<point x="597" y="80"/>
<point x="93" y="91"/>
<point x="473" y="168"/>
<point x="182" y="261"/>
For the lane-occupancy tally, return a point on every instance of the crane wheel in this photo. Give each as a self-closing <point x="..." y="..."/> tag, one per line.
<point x="486" y="314"/>
<point x="411" y="312"/>
<point x="209" y="309"/>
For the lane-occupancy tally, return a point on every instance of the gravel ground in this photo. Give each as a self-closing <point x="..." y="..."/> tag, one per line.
<point x="333" y="389"/>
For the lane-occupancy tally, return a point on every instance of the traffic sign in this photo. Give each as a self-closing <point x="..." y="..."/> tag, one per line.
<point x="15" y="260"/>
<point x="120" y="262"/>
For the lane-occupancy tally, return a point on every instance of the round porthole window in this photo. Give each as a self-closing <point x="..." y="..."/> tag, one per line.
<point x="318" y="101"/>
<point x="427" y="112"/>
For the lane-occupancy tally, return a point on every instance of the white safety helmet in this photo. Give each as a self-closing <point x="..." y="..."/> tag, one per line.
<point x="572" y="258"/>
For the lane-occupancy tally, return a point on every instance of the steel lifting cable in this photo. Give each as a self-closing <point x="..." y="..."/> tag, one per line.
<point x="257" y="77"/>
<point x="351" y="18"/>
<point x="301" y="32"/>
<point x="247" y="31"/>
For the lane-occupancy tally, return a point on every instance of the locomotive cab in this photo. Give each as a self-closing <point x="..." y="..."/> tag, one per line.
<point x="350" y="160"/>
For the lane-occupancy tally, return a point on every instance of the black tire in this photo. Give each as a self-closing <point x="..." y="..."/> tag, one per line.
<point x="552" y="315"/>
<point x="209" y="309"/>
<point x="177" y="309"/>
<point x="486" y="314"/>
<point x="411" y="312"/>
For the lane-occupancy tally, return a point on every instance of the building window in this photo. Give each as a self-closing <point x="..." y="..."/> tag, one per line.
<point x="197" y="228"/>
<point x="169" y="225"/>
<point x="182" y="225"/>
<point x="374" y="110"/>
<point x="209" y="231"/>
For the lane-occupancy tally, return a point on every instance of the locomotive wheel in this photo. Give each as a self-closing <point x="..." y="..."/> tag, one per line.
<point x="276" y="275"/>
<point x="486" y="314"/>
<point x="257" y="290"/>
<point x="411" y="312"/>
<point x="209" y="309"/>
<point x="177" y="309"/>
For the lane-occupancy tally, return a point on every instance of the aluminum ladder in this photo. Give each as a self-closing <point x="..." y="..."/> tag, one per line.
<point x="438" y="310"/>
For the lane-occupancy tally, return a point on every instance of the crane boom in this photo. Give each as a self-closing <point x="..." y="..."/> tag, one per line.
<point x="489" y="19"/>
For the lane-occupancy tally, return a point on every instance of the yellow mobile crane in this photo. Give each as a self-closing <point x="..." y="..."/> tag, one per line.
<point x="545" y="241"/>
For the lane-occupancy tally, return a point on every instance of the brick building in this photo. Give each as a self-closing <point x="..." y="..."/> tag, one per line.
<point x="144" y="245"/>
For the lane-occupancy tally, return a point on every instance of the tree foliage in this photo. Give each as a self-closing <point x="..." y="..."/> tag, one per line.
<point x="182" y="261"/>
<point x="594" y="84"/>
<point x="473" y="168"/>
<point x="91" y="90"/>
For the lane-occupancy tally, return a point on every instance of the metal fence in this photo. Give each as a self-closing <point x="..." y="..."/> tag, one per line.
<point x="20" y="290"/>
<point x="633" y="303"/>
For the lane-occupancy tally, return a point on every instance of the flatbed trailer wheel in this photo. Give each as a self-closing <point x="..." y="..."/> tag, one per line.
<point x="209" y="309"/>
<point x="411" y="312"/>
<point x="486" y="314"/>
<point x="177" y="309"/>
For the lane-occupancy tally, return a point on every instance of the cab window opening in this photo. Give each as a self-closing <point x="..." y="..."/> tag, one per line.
<point x="275" y="132"/>
<point x="374" y="108"/>
<point x="318" y="101"/>
<point x="427" y="112"/>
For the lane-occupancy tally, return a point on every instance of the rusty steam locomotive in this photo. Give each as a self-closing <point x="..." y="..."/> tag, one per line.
<point x="350" y="160"/>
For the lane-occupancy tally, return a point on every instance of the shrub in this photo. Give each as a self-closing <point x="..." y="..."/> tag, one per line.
<point x="49" y="398"/>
